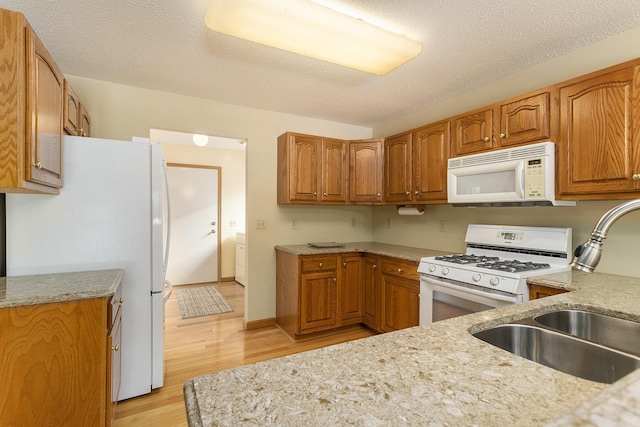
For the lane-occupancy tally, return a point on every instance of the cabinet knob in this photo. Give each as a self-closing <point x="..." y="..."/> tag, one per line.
<point x="378" y="194"/>
<point x="324" y="194"/>
<point x="37" y="165"/>
<point x="315" y="194"/>
<point x="335" y="279"/>
<point x="636" y="177"/>
<point x="375" y="265"/>
<point x="417" y="192"/>
<point x="399" y="270"/>
<point x="118" y="301"/>
<point x="320" y="264"/>
<point x="344" y="264"/>
<point x="502" y="135"/>
<point x="115" y="347"/>
<point x="407" y="193"/>
<point x="486" y="139"/>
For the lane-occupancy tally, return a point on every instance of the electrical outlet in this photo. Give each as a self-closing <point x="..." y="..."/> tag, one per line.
<point x="261" y="224"/>
<point x="389" y="223"/>
<point x="443" y="226"/>
<point x="353" y="222"/>
<point x="294" y="224"/>
<point x="232" y="223"/>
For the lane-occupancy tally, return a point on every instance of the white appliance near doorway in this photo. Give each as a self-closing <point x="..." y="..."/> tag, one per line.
<point x="194" y="192"/>
<point x="109" y="214"/>
<point x="494" y="270"/>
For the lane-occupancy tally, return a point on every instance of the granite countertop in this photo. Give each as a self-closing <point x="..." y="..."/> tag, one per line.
<point x="58" y="287"/>
<point x="396" y="251"/>
<point x="437" y="374"/>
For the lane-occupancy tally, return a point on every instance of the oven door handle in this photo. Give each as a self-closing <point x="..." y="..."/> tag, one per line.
<point x="465" y="290"/>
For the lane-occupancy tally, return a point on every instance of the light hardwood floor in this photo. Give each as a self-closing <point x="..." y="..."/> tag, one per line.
<point x="208" y="344"/>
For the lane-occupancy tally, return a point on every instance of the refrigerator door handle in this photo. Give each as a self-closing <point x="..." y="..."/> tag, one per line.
<point x="169" y="287"/>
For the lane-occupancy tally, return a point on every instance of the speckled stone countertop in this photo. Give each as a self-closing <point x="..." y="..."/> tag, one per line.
<point x="402" y="252"/>
<point x="438" y="374"/>
<point x="47" y="288"/>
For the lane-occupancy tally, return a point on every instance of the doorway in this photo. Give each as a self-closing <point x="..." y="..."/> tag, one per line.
<point x="194" y="191"/>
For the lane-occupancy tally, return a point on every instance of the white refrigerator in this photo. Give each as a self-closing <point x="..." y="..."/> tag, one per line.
<point x="109" y="214"/>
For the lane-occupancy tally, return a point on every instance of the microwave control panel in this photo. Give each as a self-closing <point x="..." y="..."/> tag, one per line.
<point x="534" y="178"/>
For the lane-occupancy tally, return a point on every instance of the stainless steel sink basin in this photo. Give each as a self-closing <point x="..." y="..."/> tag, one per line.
<point x="621" y="334"/>
<point x="562" y="352"/>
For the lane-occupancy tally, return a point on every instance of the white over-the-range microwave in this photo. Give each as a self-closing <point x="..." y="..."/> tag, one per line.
<point x="520" y="176"/>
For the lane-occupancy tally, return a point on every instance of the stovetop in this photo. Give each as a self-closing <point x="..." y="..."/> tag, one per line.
<point x="502" y="257"/>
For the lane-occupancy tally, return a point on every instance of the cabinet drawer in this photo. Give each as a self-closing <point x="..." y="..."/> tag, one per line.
<point x="398" y="268"/>
<point x="318" y="263"/>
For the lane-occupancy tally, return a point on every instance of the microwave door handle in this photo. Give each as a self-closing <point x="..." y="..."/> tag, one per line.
<point x="520" y="172"/>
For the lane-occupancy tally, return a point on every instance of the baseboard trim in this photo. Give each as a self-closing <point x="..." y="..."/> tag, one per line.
<point x="227" y="279"/>
<point x="257" y="324"/>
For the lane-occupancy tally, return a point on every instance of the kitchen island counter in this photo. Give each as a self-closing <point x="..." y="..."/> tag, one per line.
<point x="18" y="291"/>
<point x="436" y="374"/>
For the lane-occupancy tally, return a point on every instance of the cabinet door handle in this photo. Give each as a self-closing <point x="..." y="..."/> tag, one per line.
<point x="118" y="301"/>
<point x="115" y="347"/>
<point x="375" y="265"/>
<point x="417" y="192"/>
<point x="486" y="139"/>
<point x="636" y="177"/>
<point x="324" y="194"/>
<point x="320" y="264"/>
<point x="315" y="194"/>
<point x="400" y="270"/>
<point x="38" y="165"/>
<point x="407" y="193"/>
<point x="502" y="135"/>
<point x="344" y="264"/>
<point x="335" y="279"/>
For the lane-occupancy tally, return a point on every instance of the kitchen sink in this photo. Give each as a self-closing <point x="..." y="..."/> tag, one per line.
<point x="565" y="353"/>
<point x="621" y="334"/>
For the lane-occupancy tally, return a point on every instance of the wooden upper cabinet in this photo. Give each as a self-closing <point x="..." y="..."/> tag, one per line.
<point x="523" y="120"/>
<point x="398" y="170"/>
<point x="77" y="121"/>
<point x="311" y="169"/>
<point x="430" y="155"/>
<point x="32" y="103"/>
<point x="473" y="132"/>
<point x="365" y="171"/>
<point x="599" y="153"/>
<point x="334" y="170"/>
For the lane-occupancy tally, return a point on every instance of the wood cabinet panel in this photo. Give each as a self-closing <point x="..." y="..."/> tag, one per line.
<point x="365" y="171"/>
<point x="371" y="300"/>
<point x="31" y="100"/>
<point x="539" y="291"/>
<point x="334" y="170"/>
<point x="525" y="120"/>
<point x="398" y="170"/>
<point x="401" y="303"/>
<point x="350" y="289"/>
<point x="318" y="296"/>
<point x="599" y="151"/>
<point x="473" y="132"/>
<point x="430" y="155"/>
<point x="53" y="364"/>
<point x="75" y="116"/>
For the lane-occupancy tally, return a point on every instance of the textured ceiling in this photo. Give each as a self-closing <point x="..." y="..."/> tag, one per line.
<point x="165" y="45"/>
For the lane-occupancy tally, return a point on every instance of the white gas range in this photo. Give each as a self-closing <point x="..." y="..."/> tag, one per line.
<point x="493" y="271"/>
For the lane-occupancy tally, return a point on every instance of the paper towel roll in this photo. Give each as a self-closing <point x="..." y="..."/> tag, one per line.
<point x="409" y="210"/>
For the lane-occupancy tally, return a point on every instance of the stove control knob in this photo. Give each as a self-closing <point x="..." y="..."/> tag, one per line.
<point x="476" y="277"/>
<point x="432" y="268"/>
<point x="494" y="281"/>
<point x="445" y="271"/>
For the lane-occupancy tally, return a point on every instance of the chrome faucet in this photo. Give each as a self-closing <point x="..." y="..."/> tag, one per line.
<point x="587" y="255"/>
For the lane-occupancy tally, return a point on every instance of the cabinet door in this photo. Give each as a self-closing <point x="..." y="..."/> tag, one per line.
<point x="598" y="143"/>
<point x="525" y="120"/>
<point x="430" y="156"/>
<point x="473" y="133"/>
<point x="334" y="170"/>
<point x="397" y="169"/>
<point x="365" y="171"/>
<point x="318" y="301"/>
<point x="45" y="89"/>
<point x="350" y="291"/>
<point x="303" y="168"/>
<point x="371" y="293"/>
<point x="400" y="303"/>
<point x="85" y="122"/>
<point x="71" y="110"/>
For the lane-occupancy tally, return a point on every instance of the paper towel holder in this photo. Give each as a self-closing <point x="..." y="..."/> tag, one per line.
<point x="410" y="209"/>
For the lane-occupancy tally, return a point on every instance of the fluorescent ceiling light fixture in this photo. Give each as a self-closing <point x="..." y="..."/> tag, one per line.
<point x="309" y="29"/>
<point x="200" y="140"/>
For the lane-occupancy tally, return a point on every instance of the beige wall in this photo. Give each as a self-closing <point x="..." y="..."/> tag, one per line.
<point x="232" y="197"/>
<point x="120" y="112"/>
<point x="424" y="231"/>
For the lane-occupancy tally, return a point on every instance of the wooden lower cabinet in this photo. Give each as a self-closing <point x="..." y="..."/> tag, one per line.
<point x="539" y="291"/>
<point x="400" y="283"/>
<point x="55" y="363"/>
<point x="317" y="293"/>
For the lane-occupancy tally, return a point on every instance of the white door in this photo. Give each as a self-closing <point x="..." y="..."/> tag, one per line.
<point x="194" y="193"/>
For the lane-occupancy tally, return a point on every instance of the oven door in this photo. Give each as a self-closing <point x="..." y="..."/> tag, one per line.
<point x="440" y="299"/>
